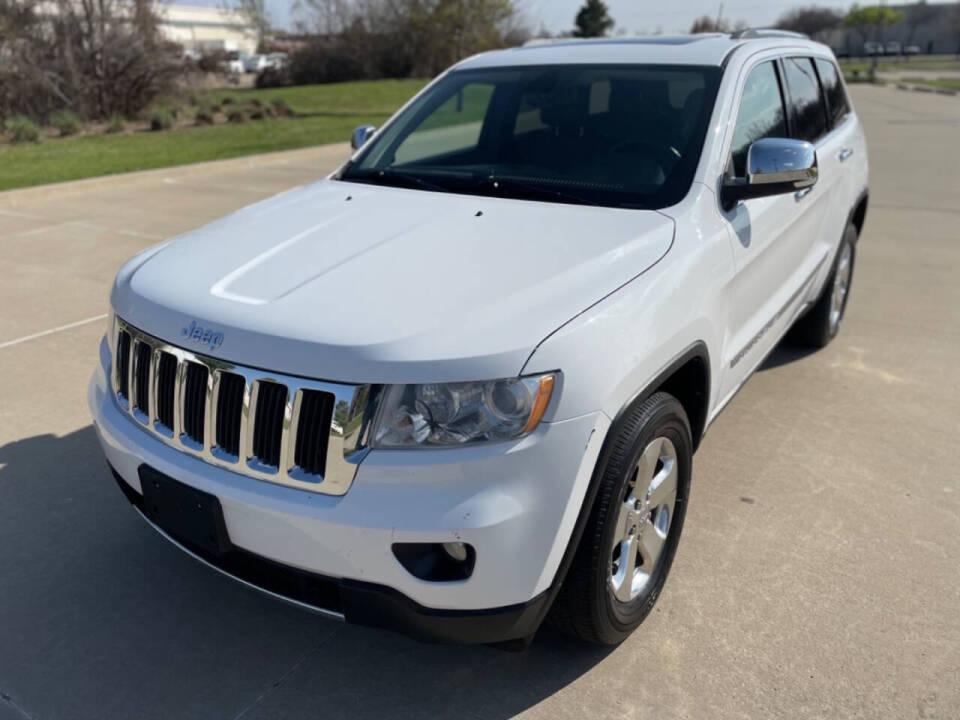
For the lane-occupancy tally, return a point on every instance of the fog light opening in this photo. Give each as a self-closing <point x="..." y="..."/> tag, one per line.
<point x="437" y="562"/>
<point x="456" y="550"/>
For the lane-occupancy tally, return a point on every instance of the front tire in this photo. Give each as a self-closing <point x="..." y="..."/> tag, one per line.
<point x="634" y="526"/>
<point x="821" y="323"/>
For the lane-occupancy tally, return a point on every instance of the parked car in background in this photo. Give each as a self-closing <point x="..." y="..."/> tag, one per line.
<point x="458" y="384"/>
<point x="277" y="61"/>
<point x="892" y="47"/>
<point x="255" y="63"/>
<point x="872" y="48"/>
<point x="911" y="50"/>
<point x="234" y="62"/>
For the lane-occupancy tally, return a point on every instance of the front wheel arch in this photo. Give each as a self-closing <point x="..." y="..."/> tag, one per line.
<point x="696" y="353"/>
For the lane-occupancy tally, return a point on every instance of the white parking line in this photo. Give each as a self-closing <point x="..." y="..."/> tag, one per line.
<point x="51" y="331"/>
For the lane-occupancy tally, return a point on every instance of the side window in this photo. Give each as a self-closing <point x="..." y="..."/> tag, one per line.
<point x="454" y="126"/>
<point x="833" y="89"/>
<point x="761" y="114"/>
<point x="809" y="113"/>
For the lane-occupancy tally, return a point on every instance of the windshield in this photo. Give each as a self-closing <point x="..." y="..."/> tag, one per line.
<point x="618" y="136"/>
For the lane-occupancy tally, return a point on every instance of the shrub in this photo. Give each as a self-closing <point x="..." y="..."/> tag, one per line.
<point x="204" y="117"/>
<point x="23" y="130"/>
<point x="91" y="58"/>
<point x="162" y="119"/>
<point x="281" y="108"/>
<point x="228" y="100"/>
<point x="212" y="61"/>
<point x="237" y="116"/>
<point x="117" y="123"/>
<point x="215" y="109"/>
<point x="274" y="77"/>
<point x="67" y="123"/>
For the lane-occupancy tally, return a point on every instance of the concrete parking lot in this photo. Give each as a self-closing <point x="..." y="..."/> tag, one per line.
<point x="818" y="576"/>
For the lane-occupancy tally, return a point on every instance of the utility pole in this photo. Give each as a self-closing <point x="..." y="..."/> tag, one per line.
<point x="719" y="17"/>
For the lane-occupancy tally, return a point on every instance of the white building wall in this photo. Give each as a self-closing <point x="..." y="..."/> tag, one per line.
<point x="206" y="28"/>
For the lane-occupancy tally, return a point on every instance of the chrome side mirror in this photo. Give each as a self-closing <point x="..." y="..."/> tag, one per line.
<point x="775" y="166"/>
<point x="361" y="135"/>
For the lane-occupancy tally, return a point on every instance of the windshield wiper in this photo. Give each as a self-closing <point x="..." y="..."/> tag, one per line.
<point x="531" y="191"/>
<point x="394" y="178"/>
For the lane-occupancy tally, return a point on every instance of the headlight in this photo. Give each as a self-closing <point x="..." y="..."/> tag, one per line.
<point x="450" y="414"/>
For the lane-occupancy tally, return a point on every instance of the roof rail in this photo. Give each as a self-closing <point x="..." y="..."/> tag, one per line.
<point x="533" y="42"/>
<point x="756" y="33"/>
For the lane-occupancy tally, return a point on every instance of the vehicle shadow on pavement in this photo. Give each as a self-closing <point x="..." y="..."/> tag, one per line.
<point x="784" y="354"/>
<point x="100" y="617"/>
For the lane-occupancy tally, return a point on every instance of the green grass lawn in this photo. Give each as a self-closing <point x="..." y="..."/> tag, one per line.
<point x="378" y="97"/>
<point x="328" y="114"/>
<point x="848" y="65"/>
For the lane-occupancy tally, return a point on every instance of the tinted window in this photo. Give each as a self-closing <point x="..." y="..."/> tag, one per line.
<point x="809" y="115"/>
<point x="613" y="135"/>
<point x="761" y="114"/>
<point x="833" y="89"/>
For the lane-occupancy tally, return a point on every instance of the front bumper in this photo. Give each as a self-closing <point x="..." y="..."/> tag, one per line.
<point x="515" y="503"/>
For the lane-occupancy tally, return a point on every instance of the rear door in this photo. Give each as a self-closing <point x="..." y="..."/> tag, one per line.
<point x="813" y="123"/>
<point x="836" y="153"/>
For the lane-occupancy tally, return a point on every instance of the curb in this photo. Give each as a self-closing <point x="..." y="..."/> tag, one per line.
<point x="14" y="198"/>
<point x="927" y="89"/>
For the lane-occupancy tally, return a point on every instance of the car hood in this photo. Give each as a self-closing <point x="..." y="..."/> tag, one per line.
<point x="360" y="283"/>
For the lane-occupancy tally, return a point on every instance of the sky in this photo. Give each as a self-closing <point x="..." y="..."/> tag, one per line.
<point x="633" y="16"/>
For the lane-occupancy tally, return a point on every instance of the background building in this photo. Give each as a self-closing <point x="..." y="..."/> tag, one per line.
<point x="204" y="29"/>
<point x="932" y="27"/>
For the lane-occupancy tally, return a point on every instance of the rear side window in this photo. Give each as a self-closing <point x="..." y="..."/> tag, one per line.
<point x="761" y="114"/>
<point x="809" y="111"/>
<point x="833" y="90"/>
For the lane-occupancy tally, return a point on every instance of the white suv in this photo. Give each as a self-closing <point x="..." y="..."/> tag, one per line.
<point x="458" y="384"/>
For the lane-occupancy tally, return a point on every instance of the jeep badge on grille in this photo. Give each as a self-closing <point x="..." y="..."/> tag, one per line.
<point x="196" y="332"/>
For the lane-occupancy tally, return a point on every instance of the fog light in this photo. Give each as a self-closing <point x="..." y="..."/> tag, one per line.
<point x="437" y="562"/>
<point x="456" y="550"/>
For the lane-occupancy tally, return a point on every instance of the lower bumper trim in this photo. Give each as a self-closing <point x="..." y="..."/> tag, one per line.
<point x="362" y="603"/>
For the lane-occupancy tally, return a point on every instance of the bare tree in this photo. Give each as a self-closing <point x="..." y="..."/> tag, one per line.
<point x="94" y="57"/>
<point x="917" y="15"/>
<point x="811" y="21"/>
<point x="398" y="38"/>
<point x="710" y="24"/>
<point x="255" y="13"/>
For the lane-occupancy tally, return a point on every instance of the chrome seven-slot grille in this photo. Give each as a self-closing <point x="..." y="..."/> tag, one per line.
<point x="284" y="429"/>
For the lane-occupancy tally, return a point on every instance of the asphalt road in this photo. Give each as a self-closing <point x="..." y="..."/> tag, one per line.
<point x="818" y="576"/>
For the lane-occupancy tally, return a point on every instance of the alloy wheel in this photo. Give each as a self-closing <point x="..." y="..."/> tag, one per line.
<point x="841" y="284"/>
<point x="643" y="520"/>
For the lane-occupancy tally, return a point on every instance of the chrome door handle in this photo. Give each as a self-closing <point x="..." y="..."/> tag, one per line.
<point x="801" y="194"/>
<point x="845" y="153"/>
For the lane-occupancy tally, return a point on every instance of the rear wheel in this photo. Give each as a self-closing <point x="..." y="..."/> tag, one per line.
<point x="822" y="322"/>
<point x="634" y="526"/>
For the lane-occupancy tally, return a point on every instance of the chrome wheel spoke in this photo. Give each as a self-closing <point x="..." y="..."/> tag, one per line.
<point x="622" y="529"/>
<point x="647" y="464"/>
<point x="663" y="487"/>
<point x="651" y="545"/>
<point x="625" y="573"/>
